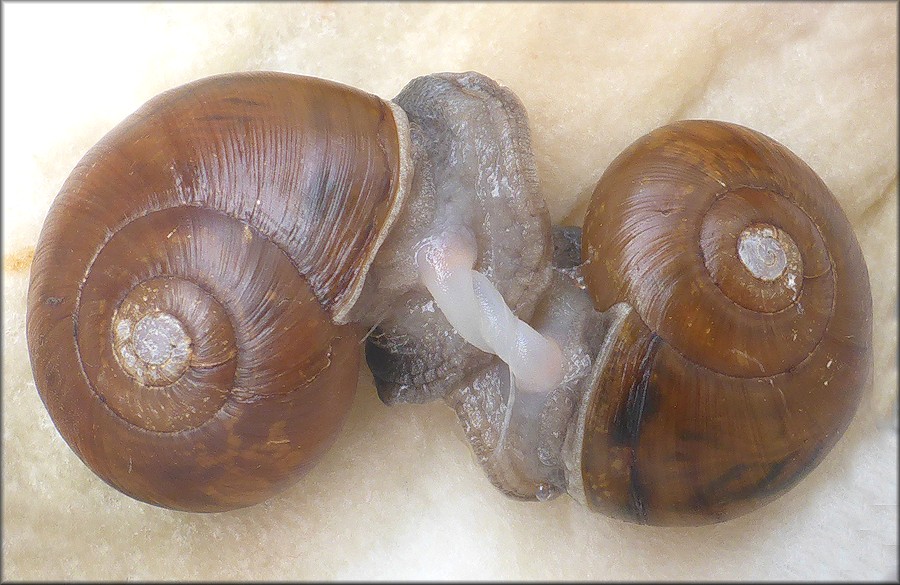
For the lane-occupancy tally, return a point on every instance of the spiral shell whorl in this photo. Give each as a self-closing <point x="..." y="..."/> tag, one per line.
<point x="750" y="341"/>
<point x="181" y="304"/>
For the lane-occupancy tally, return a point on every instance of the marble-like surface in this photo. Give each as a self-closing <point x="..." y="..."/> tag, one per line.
<point x="399" y="495"/>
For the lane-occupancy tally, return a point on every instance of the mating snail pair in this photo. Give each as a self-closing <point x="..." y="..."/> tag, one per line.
<point x="204" y="280"/>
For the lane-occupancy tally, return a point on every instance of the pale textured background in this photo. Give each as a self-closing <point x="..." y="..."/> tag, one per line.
<point x="400" y="496"/>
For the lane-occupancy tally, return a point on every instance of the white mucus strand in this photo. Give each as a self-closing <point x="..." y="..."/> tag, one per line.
<point x="478" y="312"/>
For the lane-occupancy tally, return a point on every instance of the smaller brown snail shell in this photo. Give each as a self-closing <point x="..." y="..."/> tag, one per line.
<point x="191" y="281"/>
<point x="746" y="341"/>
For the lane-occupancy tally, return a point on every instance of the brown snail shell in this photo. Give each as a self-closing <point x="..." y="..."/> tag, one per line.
<point x="190" y="283"/>
<point x="747" y="342"/>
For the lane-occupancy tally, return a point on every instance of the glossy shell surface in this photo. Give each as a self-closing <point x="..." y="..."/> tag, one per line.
<point x="185" y="288"/>
<point x="749" y="344"/>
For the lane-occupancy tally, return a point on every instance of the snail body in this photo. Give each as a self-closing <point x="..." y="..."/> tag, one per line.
<point x="205" y="278"/>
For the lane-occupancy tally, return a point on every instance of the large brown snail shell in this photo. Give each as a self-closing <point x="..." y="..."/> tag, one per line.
<point x="189" y="285"/>
<point x="747" y="344"/>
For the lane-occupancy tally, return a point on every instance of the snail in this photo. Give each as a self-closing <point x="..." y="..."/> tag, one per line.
<point x="715" y="328"/>
<point x="205" y="278"/>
